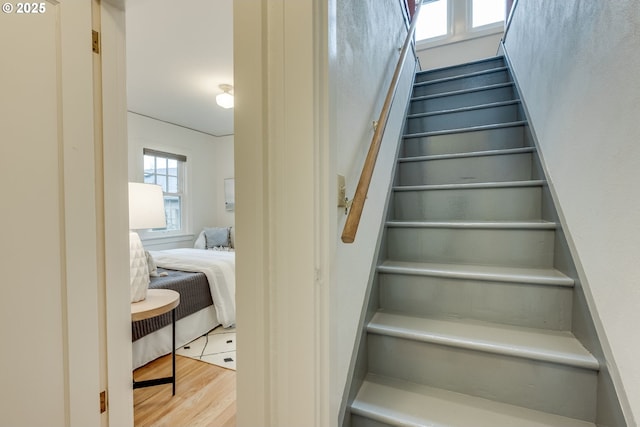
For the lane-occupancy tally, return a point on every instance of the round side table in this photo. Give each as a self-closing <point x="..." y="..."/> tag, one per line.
<point x="158" y="302"/>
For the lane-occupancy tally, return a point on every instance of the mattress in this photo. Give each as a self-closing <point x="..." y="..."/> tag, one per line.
<point x="195" y="295"/>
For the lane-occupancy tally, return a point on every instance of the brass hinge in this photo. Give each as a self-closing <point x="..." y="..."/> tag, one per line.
<point x="103" y="401"/>
<point x="95" y="41"/>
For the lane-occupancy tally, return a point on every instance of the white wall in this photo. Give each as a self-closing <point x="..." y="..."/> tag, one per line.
<point x="209" y="162"/>
<point x="444" y="55"/>
<point x="577" y="64"/>
<point x="51" y="246"/>
<point x="368" y="35"/>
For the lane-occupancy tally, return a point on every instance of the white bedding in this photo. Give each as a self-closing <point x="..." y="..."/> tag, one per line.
<point x="218" y="266"/>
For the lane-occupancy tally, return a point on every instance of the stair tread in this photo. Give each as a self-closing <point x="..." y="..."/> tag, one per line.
<point x="462" y="91"/>
<point x="504" y="225"/>
<point x="463" y="109"/>
<point x="479" y="272"/>
<point x="536" y="344"/>
<point x="465" y="129"/>
<point x="461" y="66"/>
<point x="469" y="186"/>
<point x="398" y="402"/>
<point x="461" y="76"/>
<point x="485" y="153"/>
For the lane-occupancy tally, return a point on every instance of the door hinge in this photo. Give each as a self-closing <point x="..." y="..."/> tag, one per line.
<point x="103" y="401"/>
<point x="95" y="41"/>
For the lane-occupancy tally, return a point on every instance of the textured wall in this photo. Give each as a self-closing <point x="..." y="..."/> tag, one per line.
<point x="368" y="35"/>
<point x="577" y="63"/>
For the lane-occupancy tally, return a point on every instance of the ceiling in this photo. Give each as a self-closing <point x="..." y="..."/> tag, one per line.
<point x="178" y="53"/>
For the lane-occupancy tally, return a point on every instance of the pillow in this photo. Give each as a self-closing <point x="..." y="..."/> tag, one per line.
<point x="201" y="242"/>
<point x="216" y="237"/>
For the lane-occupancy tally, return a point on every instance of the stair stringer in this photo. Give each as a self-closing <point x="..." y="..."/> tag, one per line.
<point x="608" y="412"/>
<point x="359" y="362"/>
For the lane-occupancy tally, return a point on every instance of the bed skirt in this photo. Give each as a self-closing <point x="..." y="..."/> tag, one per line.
<point x="158" y="343"/>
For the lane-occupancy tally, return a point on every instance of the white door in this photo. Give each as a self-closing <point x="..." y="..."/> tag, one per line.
<point x="49" y="311"/>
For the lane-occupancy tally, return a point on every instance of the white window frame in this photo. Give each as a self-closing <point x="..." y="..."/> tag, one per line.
<point x="460" y="21"/>
<point x="181" y="193"/>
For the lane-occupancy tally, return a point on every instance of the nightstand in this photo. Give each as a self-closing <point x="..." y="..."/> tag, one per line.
<point x="158" y="301"/>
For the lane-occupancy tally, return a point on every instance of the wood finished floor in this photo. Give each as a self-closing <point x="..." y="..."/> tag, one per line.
<point x="205" y="395"/>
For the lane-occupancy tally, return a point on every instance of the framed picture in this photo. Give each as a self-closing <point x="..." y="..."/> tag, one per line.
<point x="229" y="194"/>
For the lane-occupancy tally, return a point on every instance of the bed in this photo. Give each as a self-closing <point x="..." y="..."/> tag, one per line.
<point x="205" y="280"/>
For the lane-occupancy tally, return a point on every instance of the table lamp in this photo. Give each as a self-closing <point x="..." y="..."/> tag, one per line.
<point x="146" y="210"/>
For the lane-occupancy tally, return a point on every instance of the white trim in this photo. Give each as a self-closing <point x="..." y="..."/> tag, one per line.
<point x="431" y="43"/>
<point x="279" y="247"/>
<point x="150" y="243"/>
<point x="253" y="376"/>
<point x="325" y="221"/>
<point x="80" y="229"/>
<point x="116" y="218"/>
<point x="460" y="14"/>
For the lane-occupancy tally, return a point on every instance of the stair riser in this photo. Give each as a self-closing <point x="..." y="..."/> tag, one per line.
<point x="361" y="421"/>
<point x="511" y="248"/>
<point x="486" y="204"/>
<point x="461" y="119"/>
<point x="497" y="168"/>
<point x="459" y="70"/>
<point x="543" y="386"/>
<point x="529" y="305"/>
<point x="462" y="100"/>
<point x="462" y="83"/>
<point x="464" y="142"/>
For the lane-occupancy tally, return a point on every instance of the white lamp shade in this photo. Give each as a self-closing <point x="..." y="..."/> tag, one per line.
<point x="225" y="100"/>
<point x="146" y="206"/>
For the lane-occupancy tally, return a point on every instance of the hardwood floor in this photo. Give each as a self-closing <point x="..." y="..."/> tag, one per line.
<point x="205" y="395"/>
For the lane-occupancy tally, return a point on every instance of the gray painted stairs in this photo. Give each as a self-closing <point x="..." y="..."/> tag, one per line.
<point x="472" y="325"/>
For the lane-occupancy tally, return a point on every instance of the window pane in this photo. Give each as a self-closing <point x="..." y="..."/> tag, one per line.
<point x="149" y="169"/>
<point x="487" y="12"/>
<point x="161" y="180"/>
<point x="172" y="211"/>
<point x="433" y="20"/>
<point x="161" y="165"/>
<point x="173" y="167"/>
<point x="172" y="184"/>
<point x="149" y="163"/>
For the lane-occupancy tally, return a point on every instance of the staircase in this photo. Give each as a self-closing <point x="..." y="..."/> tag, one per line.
<point x="473" y="325"/>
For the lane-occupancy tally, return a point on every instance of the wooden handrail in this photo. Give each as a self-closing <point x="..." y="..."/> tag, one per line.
<point x="353" y="219"/>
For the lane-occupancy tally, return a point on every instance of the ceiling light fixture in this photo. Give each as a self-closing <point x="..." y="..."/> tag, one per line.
<point x="225" y="99"/>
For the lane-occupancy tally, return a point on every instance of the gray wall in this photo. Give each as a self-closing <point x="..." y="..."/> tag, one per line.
<point x="577" y="64"/>
<point x="367" y="35"/>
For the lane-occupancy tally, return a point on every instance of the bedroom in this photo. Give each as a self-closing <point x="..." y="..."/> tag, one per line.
<point x="172" y="82"/>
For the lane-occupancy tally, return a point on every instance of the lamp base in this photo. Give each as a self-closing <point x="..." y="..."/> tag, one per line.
<point x="139" y="271"/>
